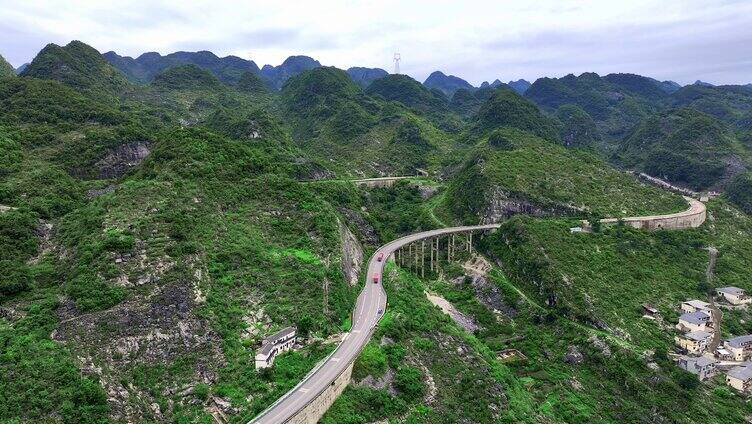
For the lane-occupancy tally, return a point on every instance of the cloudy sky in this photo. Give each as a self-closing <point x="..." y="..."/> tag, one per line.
<point x="476" y="40"/>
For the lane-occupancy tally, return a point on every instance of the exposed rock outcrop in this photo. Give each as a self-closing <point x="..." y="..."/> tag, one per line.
<point x="487" y="293"/>
<point x="121" y="159"/>
<point x="573" y="356"/>
<point x="151" y="330"/>
<point x="365" y="230"/>
<point x="352" y="254"/>
<point x="464" y="321"/>
<point x="501" y="205"/>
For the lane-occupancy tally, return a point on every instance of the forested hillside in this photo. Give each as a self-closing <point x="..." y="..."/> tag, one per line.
<point x="162" y="215"/>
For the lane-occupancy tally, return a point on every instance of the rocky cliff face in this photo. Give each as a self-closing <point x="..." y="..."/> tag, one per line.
<point x="118" y="161"/>
<point x="501" y="205"/>
<point x="158" y="329"/>
<point x="352" y="254"/>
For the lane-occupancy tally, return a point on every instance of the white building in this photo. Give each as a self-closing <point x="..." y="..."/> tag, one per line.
<point x="740" y="347"/>
<point x="695" y="305"/>
<point x="740" y="377"/>
<point x="694" y="342"/>
<point x="700" y="366"/>
<point x="694" y="321"/>
<point x="734" y="295"/>
<point x="279" y="342"/>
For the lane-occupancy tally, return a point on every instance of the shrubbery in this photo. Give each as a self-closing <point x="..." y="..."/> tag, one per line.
<point x="739" y="192"/>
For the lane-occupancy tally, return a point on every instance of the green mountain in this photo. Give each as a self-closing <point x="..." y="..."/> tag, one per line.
<point x="185" y="77"/>
<point x="467" y="102"/>
<point x="729" y="103"/>
<point x="578" y="129"/>
<point x="686" y="147"/>
<point x="153" y="234"/>
<point x="292" y="66"/>
<point x="512" y="171"/>
<point x="447" y="84"/>
<point x="365" y="76"/>
<point x="506" y="108"/>
<point x="252" y="83"/>
<point x="6" y="70"/>
<point x="411" y="93"/>
<point x="326" y="100"/>
<point x="144" y="68"/>
<point x="331" y="117"/>
<point x="79" y="66"/>
<point x="616" y="103"/>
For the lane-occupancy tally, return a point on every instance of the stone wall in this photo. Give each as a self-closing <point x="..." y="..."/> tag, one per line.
<point x="690" y="218"/>
<point x="378" y="182"/>
<point x="316" y="409"/>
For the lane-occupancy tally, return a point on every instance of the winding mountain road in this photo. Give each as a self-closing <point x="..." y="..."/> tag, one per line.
<point x="371" y="304"/>
<point x="369" y="309"/>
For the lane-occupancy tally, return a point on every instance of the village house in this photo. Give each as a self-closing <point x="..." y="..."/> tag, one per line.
<point x="649" y="310"/>
<point x="279" y="342"/>
<point x="723" y="354"/>
<point x="694" y="342"/>
<point x="740" y="347"/>
<point x="700" y="366"/>
<point x="740" y="377"/>
<point x="695" y="305"/>
<point x="734" y="295"/>
<point x="694" y="321"/>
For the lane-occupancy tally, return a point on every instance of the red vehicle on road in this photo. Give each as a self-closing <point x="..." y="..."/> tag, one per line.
<point x="380" y="257"/>
<point x="376" y="278"/>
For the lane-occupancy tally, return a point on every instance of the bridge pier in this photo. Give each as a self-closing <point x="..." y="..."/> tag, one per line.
<point x="422" y="259"/>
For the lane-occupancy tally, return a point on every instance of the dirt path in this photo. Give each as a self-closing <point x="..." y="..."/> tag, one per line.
<point x="717" y="314"/>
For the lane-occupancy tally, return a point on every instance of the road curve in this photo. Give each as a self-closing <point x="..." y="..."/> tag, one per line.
<point x="369" y="308"/>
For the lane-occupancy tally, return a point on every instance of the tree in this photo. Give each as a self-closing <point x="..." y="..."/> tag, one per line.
<point x="409" y="381"/>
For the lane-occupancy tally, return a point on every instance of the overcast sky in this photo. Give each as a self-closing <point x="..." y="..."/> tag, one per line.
<point x="475" y="40"/>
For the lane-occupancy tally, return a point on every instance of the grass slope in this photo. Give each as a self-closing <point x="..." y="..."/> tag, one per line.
<point x="526" y="167"/>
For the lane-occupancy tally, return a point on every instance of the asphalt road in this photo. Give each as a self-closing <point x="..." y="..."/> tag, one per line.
<point x="369" y="309"/>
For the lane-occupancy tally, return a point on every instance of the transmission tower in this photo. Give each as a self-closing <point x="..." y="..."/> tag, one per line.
<point x="397" y="59"/>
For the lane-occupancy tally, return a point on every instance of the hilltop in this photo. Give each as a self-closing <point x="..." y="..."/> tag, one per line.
<point x="365" y="76"/>
<point x="512" y="171"/>
<point x="77" y="65"/>
<point x="148" y="65"/>
<point x="6" y="70"/>
<point x="685" y="146"/>
<point x="447" y="84"/>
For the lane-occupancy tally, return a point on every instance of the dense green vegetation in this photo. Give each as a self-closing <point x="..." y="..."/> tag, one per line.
<point x="6" y="70"/>
<point x="185" y="77"/>
<point x="610" y="102"/>
<point x="155" y="233"/>
<point x="77" y="65"/>
<point x="505" y="108"/>
<point x="411" y="93"/>
<point x="739" y="191"/>
<point x="577" y="127"/>
<point x="684" y="146"/>
<point x="551" y="178"/>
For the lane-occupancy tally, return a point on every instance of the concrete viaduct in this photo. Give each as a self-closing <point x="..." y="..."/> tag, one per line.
<point x="307" y="402"/>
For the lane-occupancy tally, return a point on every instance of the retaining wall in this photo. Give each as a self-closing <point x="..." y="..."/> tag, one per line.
<point x="316" y="409"/>
<point x="690" y="218"/>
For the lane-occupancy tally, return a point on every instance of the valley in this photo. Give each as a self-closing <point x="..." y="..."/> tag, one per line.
<point x="163" y="216"/>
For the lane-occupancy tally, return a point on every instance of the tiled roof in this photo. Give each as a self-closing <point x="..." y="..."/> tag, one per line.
<point x="699" y="304"/>
<point x="704" y="361"/>
<point x="740" y="340"/>
<point x="730" y="290"/>
<point x="270" y="342"/>
<point x="698" y="335"/>
<point x="697" y="317"/>
<point x="742" y="373"/>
